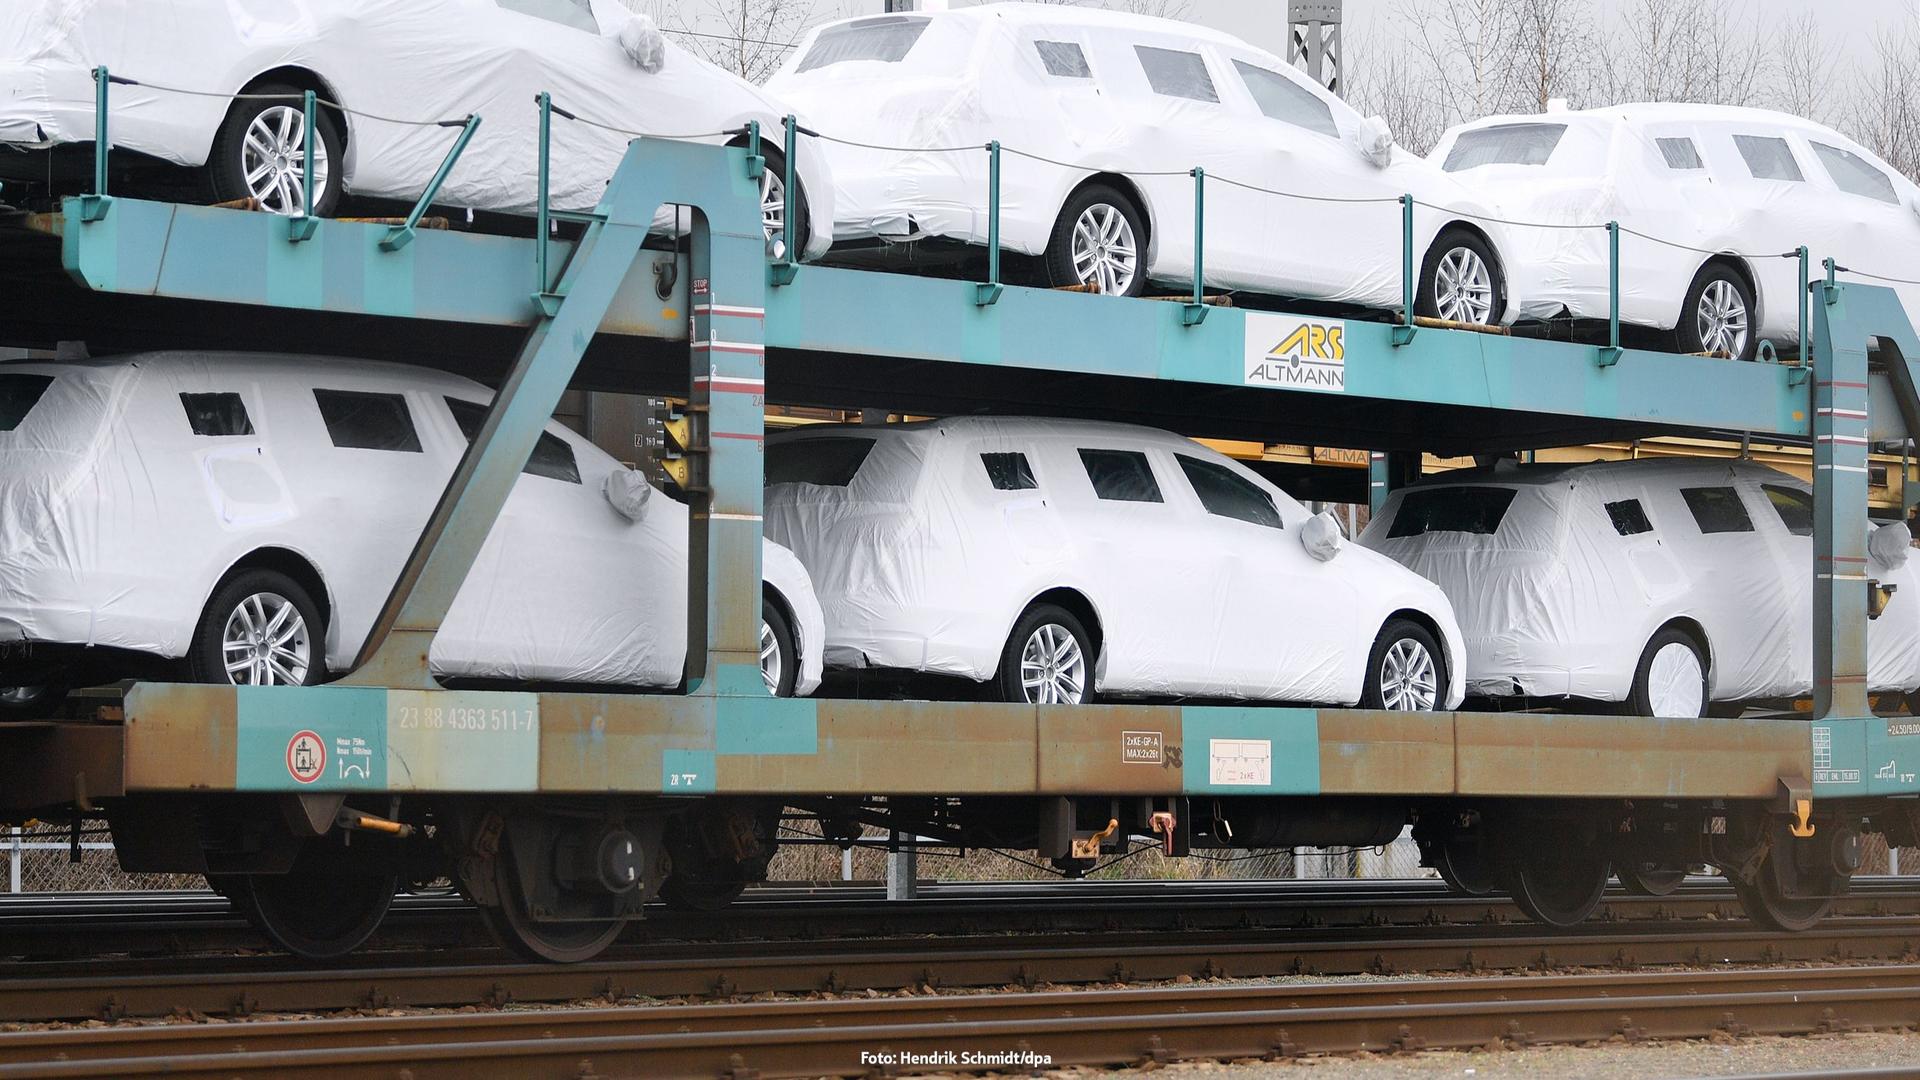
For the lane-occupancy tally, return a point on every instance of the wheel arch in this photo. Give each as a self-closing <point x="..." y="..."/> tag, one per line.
<point x="285" y="561"/>
<point x="772" y="594"/>
<point x="1125" y="186"/>
<point x="307" y="79"/>
<point x="1073" y="600"/>
<point x="1739" y="266"/>
<point x="1451" y="665"/>
<point x="1691" y="627"/>
<point x="1493" y="247"/>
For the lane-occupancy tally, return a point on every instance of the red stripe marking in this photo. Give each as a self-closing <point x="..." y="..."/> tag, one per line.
<point x="1853" y="385"/>
<point x="1839" y="558"/>
<point x="737" y="435"/>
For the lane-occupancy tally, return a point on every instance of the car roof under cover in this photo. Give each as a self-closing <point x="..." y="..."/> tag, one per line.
<point x="1516" y="474"/>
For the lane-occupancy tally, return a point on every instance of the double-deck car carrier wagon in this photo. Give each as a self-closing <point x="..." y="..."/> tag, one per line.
<point x="559" y="813"/>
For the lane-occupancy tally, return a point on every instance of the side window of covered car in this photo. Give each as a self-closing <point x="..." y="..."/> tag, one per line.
<point x="1478" y="510"/>
<point x="1063" y="59"/>
<point x="1177" y="73"/>
<point x="19" y="393"/>
<point x="1854" y="174"/>
<point x="1282" y="99"/>
<point x="1121" y="476"/>
<point x="577" y="14"/>
<point x="1680" y="153"/>
<point x="552" y="457"/>
<point x="1629" y="517"/>
<point x="1794" y="506"/>
<point x="1768" y="158"/>
<point x="1225" y="493"/>
<point x="363" y="421"/>
<point x="1009" y="471"/>
<point x="1717" y="509"/>
<point x="216" y="414"/>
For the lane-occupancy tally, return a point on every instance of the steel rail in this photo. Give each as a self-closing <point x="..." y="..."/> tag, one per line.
<point x="1100" y="1027"/>
<point x="254" y="984"/>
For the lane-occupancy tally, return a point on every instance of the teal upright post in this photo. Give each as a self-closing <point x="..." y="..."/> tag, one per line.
<point x="1840" y="570"/>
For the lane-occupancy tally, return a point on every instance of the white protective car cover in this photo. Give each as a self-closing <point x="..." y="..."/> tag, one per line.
<point x="1556" y="602"/>
<point x="117" y="521"/>
<point x="975" y="74"/>
<point x="922" y="564"/>
<point x="417" y="60"/>
<point x="1610" y="166"/>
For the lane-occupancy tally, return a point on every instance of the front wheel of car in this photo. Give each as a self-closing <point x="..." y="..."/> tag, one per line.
<point x="1671" y="678"/>
<point x="260" y="153"/>
<point x="1717" y="317"/>
<point x="1099" y="241"/>
<point x="773" y="205"/>
<point x="1405" y="670"/>
<point x="261" y="628"/>
<point x="1460" y="281"/>
<point x="779" y="659"/>
<point x="30" y="702"/>
<point x="1048" y="659"/>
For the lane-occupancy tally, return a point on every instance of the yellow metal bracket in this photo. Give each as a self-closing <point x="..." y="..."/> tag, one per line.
<point x="1090" y="847"/>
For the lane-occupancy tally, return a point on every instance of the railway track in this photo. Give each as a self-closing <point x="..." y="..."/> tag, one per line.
<point x="70" y="926"/>
<point x="1094" y="1027"/>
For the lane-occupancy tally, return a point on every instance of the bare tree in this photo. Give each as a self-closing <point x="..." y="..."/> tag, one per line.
<point x="1680" y="50"/>
<point x="1804" y="64"/>
<point x="1385" y="80"/>
<point x="1886" y="99"/>
<point x="1159" y="9"/>
<point x="750" y="38"/>
<point x="1553" y="40"/>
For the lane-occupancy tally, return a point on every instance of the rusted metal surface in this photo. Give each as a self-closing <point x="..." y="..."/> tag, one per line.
<point x="1106" y="749"/>
<point x="1386" y="752"/>
<point x="1106" y="1027"/>
<point x="181" y="738"/>
<point x="1627" y="757"/>
<point x="51" y="764"/>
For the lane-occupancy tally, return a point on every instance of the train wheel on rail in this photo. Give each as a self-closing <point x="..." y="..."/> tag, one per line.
<point x="563" y="888"/>
<point x="318" y="916"/>
<point x="1464" y="866"/>
<point x="1642" y="878"/>
<point x="1557" y="883"/>
<point x="1794" y="888"/>
<point x="718" y="848"/>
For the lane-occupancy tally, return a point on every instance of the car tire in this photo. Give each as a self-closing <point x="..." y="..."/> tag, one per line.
<point x="779" y="657"/>
<point x="234" y="159"/>
<point x="30" y="702"/>
<point x="1406" y="670"/>
<point x="1669" y="660"/>
<point x="1716" y="289"/>
<point x="773" y="182"/>
<point x="225" y="629"/>
<point x="1028" y="675"/>
<point x="1114" y="241"/>
<point x="1460" y="280"/>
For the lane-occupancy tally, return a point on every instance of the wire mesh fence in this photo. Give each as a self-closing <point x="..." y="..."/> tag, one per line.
<point x="47" y="858"/>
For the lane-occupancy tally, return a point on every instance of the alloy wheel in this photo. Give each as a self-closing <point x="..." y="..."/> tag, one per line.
<point x="1463" y="287"/>
<point x="1408" y="679"/>
<point x="266" y="643"/>
<point x="273" y="160"/>
<point x="1721" y="318"/>
<point x="772" y="664"/>
<point x="1105" y="252"/>
<point x="1053" y="670"/>
<point x="773" y="203"/>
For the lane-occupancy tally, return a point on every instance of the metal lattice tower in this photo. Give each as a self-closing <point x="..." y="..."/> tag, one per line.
<point x="1313" y="40"/>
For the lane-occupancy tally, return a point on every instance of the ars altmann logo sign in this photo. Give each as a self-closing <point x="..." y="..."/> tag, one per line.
<point x="1284" y="352"/>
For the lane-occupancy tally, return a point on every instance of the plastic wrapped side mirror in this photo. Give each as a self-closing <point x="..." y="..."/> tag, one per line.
<point x="1321" y="537"/>
<point x="1890" y="544"/>
<point x="643" y="43"/>
<point x="628" y="492"/>
<point x="1375" y="140"/>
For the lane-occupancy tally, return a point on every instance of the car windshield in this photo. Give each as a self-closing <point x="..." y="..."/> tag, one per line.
<point x="19" y="393"/>
<point x="829" y="462"/>
<point x="1505" y="144"/>
<point x="1854" y="175"/>
<point x="886" y="40"/>
<point x="1461" y="509"/>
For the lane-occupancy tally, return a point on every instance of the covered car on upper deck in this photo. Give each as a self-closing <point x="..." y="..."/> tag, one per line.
<point x="1102" y="117"/>
<point x="385" y="70"/>
<point x="1712" y="202"/>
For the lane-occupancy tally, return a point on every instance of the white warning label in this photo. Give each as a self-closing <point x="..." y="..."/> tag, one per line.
<point x="1240" y="762"/>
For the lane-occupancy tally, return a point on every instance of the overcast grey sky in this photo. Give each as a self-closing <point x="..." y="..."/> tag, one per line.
<point x="1850" y="23"/>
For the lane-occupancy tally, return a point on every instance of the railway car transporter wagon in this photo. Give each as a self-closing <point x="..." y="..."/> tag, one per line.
<point x="1712" y="201"/>
<point x="1059" y="560"/>
<point x="1100" y="117"/>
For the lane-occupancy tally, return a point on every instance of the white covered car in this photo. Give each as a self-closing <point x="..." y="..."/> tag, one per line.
<point x="1728" y="189"/>
<point x="1056" y="559"/>
<point x="1123" y="106"/>
<point x="248" y="515"/>
<point x="1665" y="584"/>
<point x="412" y="60"/>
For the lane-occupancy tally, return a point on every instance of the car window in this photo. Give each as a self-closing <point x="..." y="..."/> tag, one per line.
<point x="217" y="414"/>
<point x="1287" y="101"/>
<point x="1064" y="59"/>
<point x="1717" y="509"/>
<point x="1460" y="509"/>
<point x="551" y="457"/>
<point x="1121" y="475"/>
<point x="1504" y="144"/>
<point x="1680" y="153"/>
<point x="1768" y="158"/>
<point x="1855" y="175"/>
<point x="829" y="462"/>
<point x="887" y="39"/>
<point x="19" y="393"/>
<point x="1176" y="73"/>
<point x="1009" y="472"/>
<point x="1794" y="506"/>
<point x="1228" y="494"/>
<point x="360" y="421"/>
<point x="575" y="13"/>
<point x="1629" y="517"/>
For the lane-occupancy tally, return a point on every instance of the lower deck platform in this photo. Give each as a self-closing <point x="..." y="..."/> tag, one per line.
<point x="178" y="738"/>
